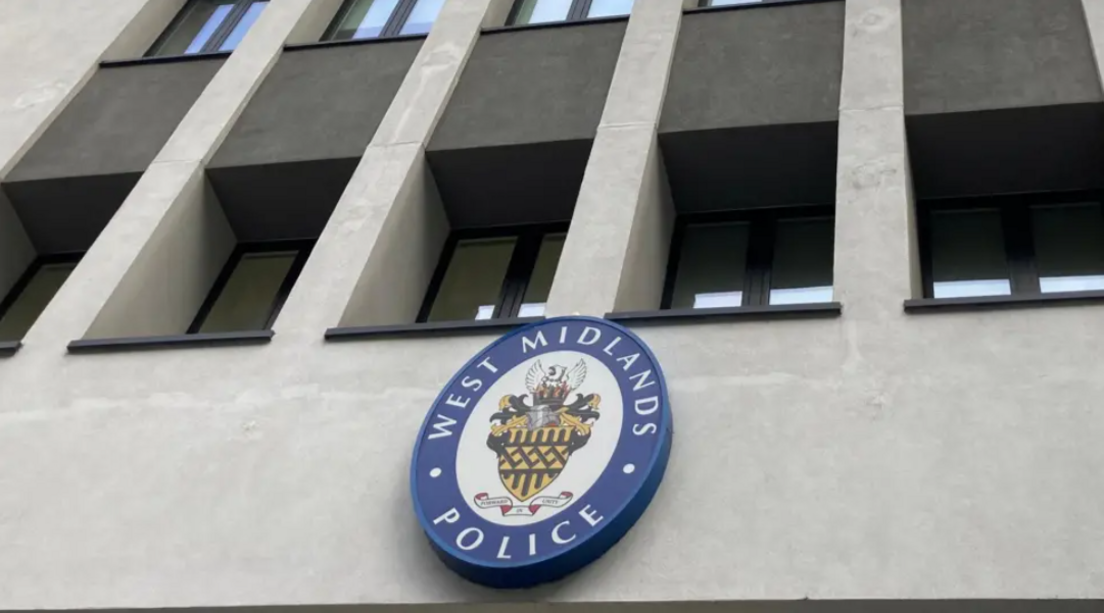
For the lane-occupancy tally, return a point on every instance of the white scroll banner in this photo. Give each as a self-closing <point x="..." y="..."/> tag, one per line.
<point x="509" y="509"/>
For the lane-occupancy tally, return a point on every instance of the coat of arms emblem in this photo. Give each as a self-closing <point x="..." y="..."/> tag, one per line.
<point x="542" y="451"/>
<point x="535" y="434"/>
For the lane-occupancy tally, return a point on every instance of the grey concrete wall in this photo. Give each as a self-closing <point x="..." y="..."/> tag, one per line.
<point x="318" y="103"/>
<point x="119" y="121"/>
<point x="531" y="86"/>
<point x="876" y="457"/>
<point x="756" y="66"/>
<point x="967" y="55"/>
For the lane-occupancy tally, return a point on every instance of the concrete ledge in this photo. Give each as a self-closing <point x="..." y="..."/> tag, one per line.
<point x="438" y="328"/>
<point x="981" y="303"/>
<point x="103" y="345"/>
<point x="567" y="23"/>
<point x="8" y="348"/>
<point x="165" y="59"/>
<point x="755" y="313"/>
<point x="322" y="44"/>
<point x="760" y="4"/>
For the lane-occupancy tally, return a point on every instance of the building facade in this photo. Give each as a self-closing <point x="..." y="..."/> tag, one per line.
<point x="245" y="244"/>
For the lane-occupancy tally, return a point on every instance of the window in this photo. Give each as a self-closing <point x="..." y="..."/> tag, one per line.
<point x="252" y="288"/>
<point x="206" y="26"/>
<point x="492" y="275"/>
<point x="546" y="11"/>
<point x="751" y="258"/>
<point x="30" y="295"/>
<point x="359" y="19"/>
<point x="1016" y="245"/>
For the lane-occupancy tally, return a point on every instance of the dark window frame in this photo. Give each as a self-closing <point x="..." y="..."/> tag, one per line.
<point x="28" y="275"/>
<point x="760" y="253"/>
<point x="303" y="246"/>
<point x="519" y="271"/>
<point x="392" y="28"/>
<point x="218" y="37"/>
<point x="578" y="12"/>
<point x="1016" y="232"/>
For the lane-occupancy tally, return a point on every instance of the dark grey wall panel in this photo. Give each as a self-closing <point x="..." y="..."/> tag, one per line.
<point x="532" y="85"/>
<point x="1007" y="151"/>
<point x="967" y="55"/>
<point x="510" y="185"/>
<point x="756" y="66"/>
<point x="319" y="103"/>
<point x="66" y="215"/>
<point x="281" y="201"/>
<point x="760" y="166"/>
<point x="118" y="122"/>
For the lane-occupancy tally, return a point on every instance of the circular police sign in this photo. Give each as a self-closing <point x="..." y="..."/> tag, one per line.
<point x="542" y="452"/>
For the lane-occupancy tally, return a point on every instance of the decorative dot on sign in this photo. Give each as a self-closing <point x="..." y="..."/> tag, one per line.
<point x="629" y="468"/>
<point x="436" y="472"/>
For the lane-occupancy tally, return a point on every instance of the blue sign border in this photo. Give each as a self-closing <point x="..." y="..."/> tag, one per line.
<point x="554" y="565"/>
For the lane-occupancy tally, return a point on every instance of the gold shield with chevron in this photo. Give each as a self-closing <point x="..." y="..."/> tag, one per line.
<point x="531" y="459"/>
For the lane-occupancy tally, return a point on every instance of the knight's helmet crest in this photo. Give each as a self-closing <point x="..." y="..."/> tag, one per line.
<point x="552" y="385"/>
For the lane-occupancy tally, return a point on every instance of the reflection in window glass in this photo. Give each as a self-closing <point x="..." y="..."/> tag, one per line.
<point x="473" y="282"/>
<point x="365" y="19"/>
<point x="542" y="11"/>
<point x="196" y="27"/>
<point x="967" y="254"/>
<point x="1069" y="247"/>
<point x="32" y="300"/>
<point x="540" y="282"/>
<point x="422" y="17"/>
<point x="239" y="31"/>
<point x="247" y="299"/>
<point x="711" y="266"/>
<point x="608" y="8"/>
<point x="802" y="267"/>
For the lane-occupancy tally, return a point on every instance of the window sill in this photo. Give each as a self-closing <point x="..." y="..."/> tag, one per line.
<point x="166" y="59"/>
<point x="220" y="339"/>
<point x="8" y="348"/>
<point x="931" y="305"/>
<point x="437" y="328"/>
<point x="323" y="44"/>
<point x="757" y="313"/>
<point x="756" y="5"/>
<point x="557" y="24"/>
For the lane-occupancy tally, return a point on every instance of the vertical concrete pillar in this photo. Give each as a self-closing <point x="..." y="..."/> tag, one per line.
<point x="616" y="250"/>
<point x="875" y="254"/>
<point x="374" y="259"/>
<point x="1094" y="18"/>
<point x="144" y="244"/>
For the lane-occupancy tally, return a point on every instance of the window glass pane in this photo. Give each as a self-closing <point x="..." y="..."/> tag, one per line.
<point x="801" y="271"/>
<point x="711" y="267"/>
<point x="246" y="300"/>
<point x="422" y="17"/>
<point x="1069" y="247"/>
<point x="239" y="31"/>
<point x="196" y="28"/>
<point x="540" y="282"/>
<point x="967" y="253"/>
<point x="473" y="282"/>
<point x="607" y="8"/>
<point x="365" y="19"/>
<point x="542" y="11"/>
<point x="30" y="303"/>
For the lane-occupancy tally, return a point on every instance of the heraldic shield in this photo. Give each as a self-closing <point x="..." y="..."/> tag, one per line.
<point x="534" y="440"/>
